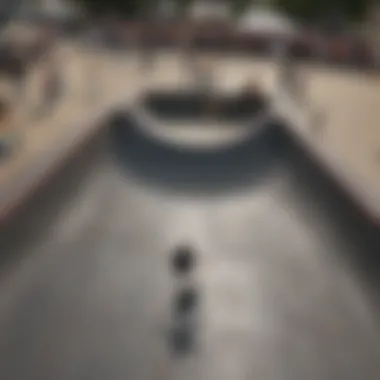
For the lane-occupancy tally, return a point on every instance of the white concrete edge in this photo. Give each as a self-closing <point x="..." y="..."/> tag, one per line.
<point x="144" y="118"/>
<point x="28" y="179"/>
<point x="285" y="108"/>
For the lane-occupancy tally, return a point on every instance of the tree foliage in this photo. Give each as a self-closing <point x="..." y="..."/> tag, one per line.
<point x="123" y="8"/>
<point x="310" y="10"/>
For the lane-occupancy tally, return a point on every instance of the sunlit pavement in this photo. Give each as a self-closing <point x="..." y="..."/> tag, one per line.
<point x="346" y="103"/>
<point x="92" y="278"/>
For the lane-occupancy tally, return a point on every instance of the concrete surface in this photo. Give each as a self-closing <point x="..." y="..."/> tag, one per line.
<point x="44" y="137"/>
<point x="286" y="277"/>
<point x="286" y="271"/>
<point x="347" y="103"/>
<point x="350" y="105"/>
<point x="343" y="138"/>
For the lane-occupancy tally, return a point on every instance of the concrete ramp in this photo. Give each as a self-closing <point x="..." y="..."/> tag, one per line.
<point x="283" y="281"/>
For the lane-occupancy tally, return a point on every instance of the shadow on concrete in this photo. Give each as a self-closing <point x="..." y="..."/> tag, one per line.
<point x="32" y="223"/>
<point x="190" y="171"/>
<point x="95" y="310"/>
<point x="269" y="157"/>
<point x="199" y="107"/>
<point x="325" y="204"/>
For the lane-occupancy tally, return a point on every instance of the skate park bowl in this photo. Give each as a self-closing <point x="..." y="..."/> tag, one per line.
<point x="284" y="285"/>
<point x="190" y="119"/>
<point x="197" y="106"/>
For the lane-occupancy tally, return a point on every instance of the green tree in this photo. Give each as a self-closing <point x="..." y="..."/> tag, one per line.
<point x="238" y="6"/>
<point x="311" y="10"/>
<point x="304" y="9"/>
<point x="124" y="8"/>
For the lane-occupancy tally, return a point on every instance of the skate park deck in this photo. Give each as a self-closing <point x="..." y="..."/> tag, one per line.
<point x="285" y="278"/>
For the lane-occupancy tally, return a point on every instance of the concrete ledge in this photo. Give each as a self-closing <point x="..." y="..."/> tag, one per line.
<point x="197" y="136"/>
<point x="299" y="127"/>
<point x="14" y="194"/>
